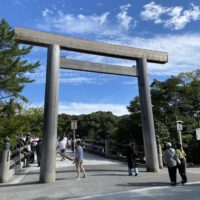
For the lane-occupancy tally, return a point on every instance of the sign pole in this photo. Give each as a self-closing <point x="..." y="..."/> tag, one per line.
<point x="74" y="127"/>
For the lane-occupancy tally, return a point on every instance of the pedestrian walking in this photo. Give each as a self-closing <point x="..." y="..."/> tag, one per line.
<point x="62" y="146"/>
<point x="39" y="151"/>
<point x="27" y="153"/>
<point x="171" y="162"/>
<point x="182" y="167"/>
<point x="79" y="160"/>
<point x="131" y="156"/>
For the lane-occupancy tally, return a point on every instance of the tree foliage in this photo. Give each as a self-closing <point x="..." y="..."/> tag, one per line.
<point x="13" y="68"/>
<point x="14" y="71"/>
<point x="175" y="99"/>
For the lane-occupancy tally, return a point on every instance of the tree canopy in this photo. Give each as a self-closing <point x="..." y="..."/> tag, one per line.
<point x="176" y="98"/>
<point x="13" y="68"/>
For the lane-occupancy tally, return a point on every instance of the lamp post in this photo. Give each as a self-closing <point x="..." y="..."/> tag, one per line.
<point x="197" y="115"/>
<point x="179" y="129"/>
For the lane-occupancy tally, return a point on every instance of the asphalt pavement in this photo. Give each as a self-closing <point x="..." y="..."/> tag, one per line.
<point x="106" y="179"/>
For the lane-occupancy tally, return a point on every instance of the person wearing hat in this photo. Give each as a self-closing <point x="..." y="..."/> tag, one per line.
<point x="169" y="158"/>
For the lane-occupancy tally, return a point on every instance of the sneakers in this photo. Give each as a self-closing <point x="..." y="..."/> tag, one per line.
<point x="132" y="174"/>
<point x="183" y="182"/>
<point x="84" y="176"/>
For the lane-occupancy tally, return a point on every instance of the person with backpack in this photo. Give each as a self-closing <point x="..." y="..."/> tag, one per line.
<point x="171" y="162"/>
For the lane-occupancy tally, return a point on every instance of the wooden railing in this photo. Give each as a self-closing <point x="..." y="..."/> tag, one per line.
<point x="10" y="162"/>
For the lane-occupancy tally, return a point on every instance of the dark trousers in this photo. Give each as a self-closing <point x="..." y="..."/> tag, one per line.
<point x="182" y="170"/>
<point x="172" y="174"/>
<point x="38" y="158"/>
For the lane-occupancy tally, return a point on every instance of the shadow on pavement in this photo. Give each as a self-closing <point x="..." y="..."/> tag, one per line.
<point x="20" y="184"/>
<point x="74" y="170"/>
<point x="144" y="184"/>
<point x="109" y="175"/>
<point x="53" y="198"/>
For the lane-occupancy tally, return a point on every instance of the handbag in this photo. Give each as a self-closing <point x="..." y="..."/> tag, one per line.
<point x="178" y="161"/>
<point x="176" y="158"/>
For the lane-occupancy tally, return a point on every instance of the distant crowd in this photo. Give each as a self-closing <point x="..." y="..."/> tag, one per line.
<point x="173" y="157"/>
<point x="32" y="148"/>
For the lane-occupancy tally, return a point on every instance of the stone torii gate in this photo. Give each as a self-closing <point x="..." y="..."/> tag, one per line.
<point x="55" y="43"/>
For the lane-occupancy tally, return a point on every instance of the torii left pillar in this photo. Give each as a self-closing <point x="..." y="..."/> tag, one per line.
<point x="48" y="159"/>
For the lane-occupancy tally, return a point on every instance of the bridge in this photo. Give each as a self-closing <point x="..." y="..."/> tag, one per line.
<point x="106" y="179"/>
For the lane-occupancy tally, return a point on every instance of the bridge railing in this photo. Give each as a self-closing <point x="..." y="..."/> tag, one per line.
<point x="10" y="162"/>
<point x="110" y="149"/>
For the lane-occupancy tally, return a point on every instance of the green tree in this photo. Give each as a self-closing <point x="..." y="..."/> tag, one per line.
<point x="34" y="121"/>
<point x="13" y="68"/>
<point x="175" y="99"/>
<point x="64" y="124"/>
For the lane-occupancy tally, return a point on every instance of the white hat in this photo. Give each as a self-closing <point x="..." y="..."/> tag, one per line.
<point x="168" y="144"/>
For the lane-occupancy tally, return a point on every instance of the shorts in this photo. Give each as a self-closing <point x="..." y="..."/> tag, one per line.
<point x="79" y="163"/>
<point x="62" y="151"/>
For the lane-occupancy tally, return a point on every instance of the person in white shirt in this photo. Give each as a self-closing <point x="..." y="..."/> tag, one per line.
<point x="62" y="146"/>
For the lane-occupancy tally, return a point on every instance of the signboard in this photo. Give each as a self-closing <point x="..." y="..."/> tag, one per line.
<point x="198" y="133"/>
<point x="73" y="124"/>
<point x="179" y="127"/>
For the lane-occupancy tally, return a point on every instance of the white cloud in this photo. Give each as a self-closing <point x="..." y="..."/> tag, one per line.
<point x="86" y="108"/>
<point x="78" y="108"/>
<point x="46" y="12"/>
<point x="123" y="19"/>
<point x="73" y="24"/>
<point x="99" y="25"/>
<point x="183" y="51"/>
<point x="78" y="80"/>
<point x="153" y="12"/>
<point x="174" y="18"/>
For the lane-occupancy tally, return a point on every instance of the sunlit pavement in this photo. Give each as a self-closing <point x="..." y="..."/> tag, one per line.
<point x="189" y="191"/>
<point x="106" y="179"/>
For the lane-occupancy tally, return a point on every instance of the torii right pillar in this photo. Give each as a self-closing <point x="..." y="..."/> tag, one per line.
<point x="149" y="138"/>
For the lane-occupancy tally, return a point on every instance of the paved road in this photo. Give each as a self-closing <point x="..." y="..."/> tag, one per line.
<point x="190" y="191"/>
<point x="106" y="179"/>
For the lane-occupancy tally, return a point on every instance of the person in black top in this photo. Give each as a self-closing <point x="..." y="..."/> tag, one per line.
<point x="39" y="151"/>
<point x="131" y="156"/>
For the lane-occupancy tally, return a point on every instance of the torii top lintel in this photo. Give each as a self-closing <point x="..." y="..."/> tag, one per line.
<point x="38" y="38"/>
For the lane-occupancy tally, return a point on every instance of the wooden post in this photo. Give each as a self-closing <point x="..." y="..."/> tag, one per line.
<point x="5" y="162"/>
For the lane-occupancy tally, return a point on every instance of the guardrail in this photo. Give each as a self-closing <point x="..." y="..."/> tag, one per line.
<point x="10" y="162"/>
<point x="108" y="149"/>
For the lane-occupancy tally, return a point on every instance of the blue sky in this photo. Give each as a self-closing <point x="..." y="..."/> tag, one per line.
<point x="172" y="26"/>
